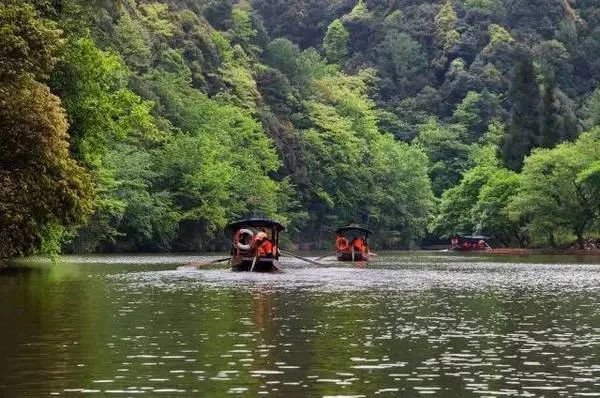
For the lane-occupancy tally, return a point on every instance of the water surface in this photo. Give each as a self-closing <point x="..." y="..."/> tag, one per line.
<point x="407" y="324"/>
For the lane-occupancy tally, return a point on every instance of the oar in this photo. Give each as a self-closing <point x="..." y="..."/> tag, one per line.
<point x="301" y="258"/>
<point x="327" y="255"/>
<point x="254" y="262"/>
<point x="199" y="265"/>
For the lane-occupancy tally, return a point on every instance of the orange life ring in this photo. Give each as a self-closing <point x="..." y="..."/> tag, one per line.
<point x="341" y="243"/>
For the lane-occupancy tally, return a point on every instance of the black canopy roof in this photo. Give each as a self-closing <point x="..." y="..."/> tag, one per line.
<point x="353" y="228"/>
<point x="256" y="223"/>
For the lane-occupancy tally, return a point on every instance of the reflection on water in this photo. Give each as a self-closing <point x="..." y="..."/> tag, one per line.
<point x="406" y="325"/>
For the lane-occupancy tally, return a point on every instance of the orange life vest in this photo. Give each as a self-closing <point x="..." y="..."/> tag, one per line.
<point x="265" y="248"/>
<point x="358" y="244"/>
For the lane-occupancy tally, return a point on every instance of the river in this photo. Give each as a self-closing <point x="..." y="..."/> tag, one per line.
<point x="407" y="324"/>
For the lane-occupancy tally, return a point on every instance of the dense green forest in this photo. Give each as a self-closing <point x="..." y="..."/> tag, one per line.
<point x="137" y="125"/>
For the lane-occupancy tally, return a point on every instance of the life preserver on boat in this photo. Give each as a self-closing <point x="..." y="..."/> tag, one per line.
<point x="341" y="243"/>
<point x="243" y="246"/>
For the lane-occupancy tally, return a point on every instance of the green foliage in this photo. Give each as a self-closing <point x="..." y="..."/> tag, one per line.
<point x="445" y="21"/>
<point x="454" y="213"/>
<point x="107" y="118"/>
<point x="498" y="35"/>
<point x="558" y="193"/>
<point x="481" y="203"/>
<point x="355" y="173"/>
<point x="282" y="54"/>
<point x="491" y="215"/>
<point x="593" y="105"/>
<point x="481" y="4"/>
<point x="523" y="132"/>
<point x="156" y="17"/>
<point x="218" y="169"/>
<point x="360" y="10"/>
<point x="402" y="59"/>
<point x="42" y="189"/>
<point x="475" y="113"/>
<point x="243" y="28"/>
<point x="40" y="184"/>
<point x="335" y="42"/>
<point x="93" y="85"/>
<point x="132" y="41"/>
<point x="449" y="156"/>
<point x="558" y="122"/>
<point x="588" y="182"/>
<point x="187" y="114"/>
<point x="28" y="44"/>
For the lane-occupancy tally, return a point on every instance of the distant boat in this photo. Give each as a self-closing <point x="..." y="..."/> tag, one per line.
<point x="464" y="243"/>
<point x="351" y="243"/>
<point x="255" y="245"/>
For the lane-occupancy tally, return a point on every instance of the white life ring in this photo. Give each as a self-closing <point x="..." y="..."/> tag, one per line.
<point x="239" y="244"/>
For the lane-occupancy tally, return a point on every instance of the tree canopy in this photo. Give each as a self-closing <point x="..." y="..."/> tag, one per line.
<point x="145" y="125"/>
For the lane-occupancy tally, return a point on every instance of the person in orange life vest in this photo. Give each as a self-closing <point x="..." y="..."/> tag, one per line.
<point x="358" y="243"/>
<point x="264" y="246"/>
<point x="341" y="243"/>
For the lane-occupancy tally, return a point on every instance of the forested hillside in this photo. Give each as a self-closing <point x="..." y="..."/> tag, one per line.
<point x="137" y="125"/>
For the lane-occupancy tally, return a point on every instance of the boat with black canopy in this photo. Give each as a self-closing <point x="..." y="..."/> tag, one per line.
<point x="255" y="245"/>
<point x="466" y="243"/>
<point x="352" y="243"/>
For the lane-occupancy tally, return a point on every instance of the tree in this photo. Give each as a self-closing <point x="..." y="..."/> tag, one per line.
<point x="28" y="44"/>
<point x="593" y="109"/>
<point x="335" y="42"/>
<point x="558" y="120"/>
<point x="523" y="131"/>
<point x="489" y="5"/>
<point x="449" y="156"/>
<point x="454" y="214"/>
<point x="355" y="173"/>
<point x="475" y="113"/>
<point x="557" y="191"/>
<point x="491" y="214"/>
<point x="402" y="62"/>
<point x="243" y="28"/>
<point x="42" y="189"/>
<point x="110" y="127"/>
<point x="550" y="131"/>
<point x="41" y="186"/>
<point x="218" y="168"/>
<point x="133" y="42"/>
<point x="445" y="21"/>
<point x="589" y="182"/>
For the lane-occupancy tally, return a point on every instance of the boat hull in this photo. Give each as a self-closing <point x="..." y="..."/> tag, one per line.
<point x="461" y="249"/>
<point x="244" y="264"/>
<point x="347" y="256"/>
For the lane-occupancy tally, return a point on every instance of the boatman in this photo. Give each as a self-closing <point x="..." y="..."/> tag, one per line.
<point x="263" y="245"/>
<point x="358" y="243"/>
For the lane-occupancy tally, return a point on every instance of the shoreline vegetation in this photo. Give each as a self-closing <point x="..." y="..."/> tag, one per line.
<point x="148" y="126"/>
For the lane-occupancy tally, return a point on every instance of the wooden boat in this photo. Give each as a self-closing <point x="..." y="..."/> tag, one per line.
<point x="255" y="245"/>
<point x="351" y="243"/>
<point x="467" y="243"/>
